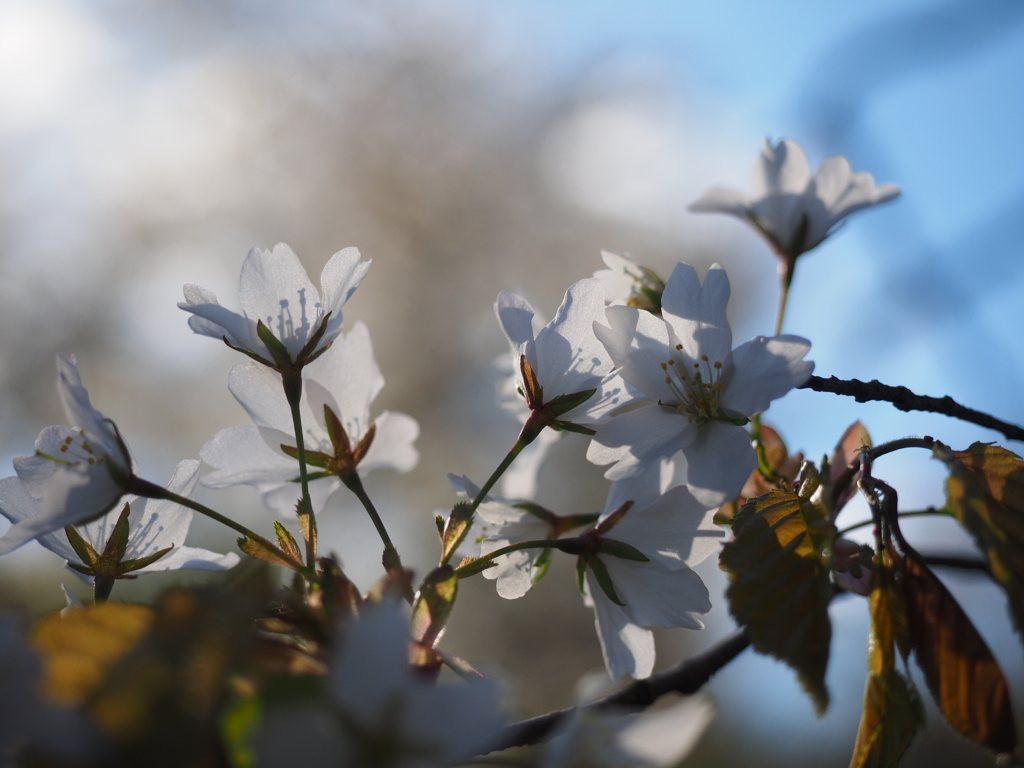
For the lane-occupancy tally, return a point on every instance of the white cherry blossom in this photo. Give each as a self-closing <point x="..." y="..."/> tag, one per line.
<point x="675" y="532"/>
<point x="626" y="282"/>
<point x="701" y="390"/>
<point x="273" y="287"/>
<point x="378" y="715"/>
<point x="655" y="739"/>
<point x="565" y="355"/>
<point x="153" y="525"/>
<point x="346" y="379"/>
<point x="792" y="209"/>
<point x="76" y="474"/>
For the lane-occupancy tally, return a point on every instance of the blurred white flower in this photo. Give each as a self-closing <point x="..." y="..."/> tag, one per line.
<point x="154" y="525"/>
<point x="76" y="474"/>
<point x="343" y="381"/>
<point x="626" y="282"/>
<point x="377" y="714"/>
<point x="675" y="532"/>
<point x="275" y="290"/>
<point x="701" y="390"/>
<point x="793" y="210"/>
<point x="654" y="739"/>
<point x="565" y="356"/>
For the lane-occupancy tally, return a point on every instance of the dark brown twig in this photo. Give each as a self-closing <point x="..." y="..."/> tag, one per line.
<point x="905" y="400"/>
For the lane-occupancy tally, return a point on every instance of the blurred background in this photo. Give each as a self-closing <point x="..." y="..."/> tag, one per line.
<point x="471" y="147"/>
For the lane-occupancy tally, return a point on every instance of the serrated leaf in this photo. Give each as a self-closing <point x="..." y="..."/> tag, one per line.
<point x="892" y="709"/>
<point x="962" y="674"/>
<point x="985" y="490"/>
<point x="433" y="604"/>
<point x="780" y="588"/>
<point x="773" y="460"/>
<point x="263" y="550"/>
<point x="287" y="541"/>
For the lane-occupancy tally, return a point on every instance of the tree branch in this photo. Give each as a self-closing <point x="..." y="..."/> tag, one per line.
<point x="905" y="400"/>
<point x="686" y="677"/>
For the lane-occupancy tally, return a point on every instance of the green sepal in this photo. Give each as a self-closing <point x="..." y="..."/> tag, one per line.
<point x="83" y="569"/>
<point x="604" y="579"/>
<point x="248" y="353"/>
<point x="613" y="519"/>
<point x="471" y="566"/>
<point x="568" y="426"/>
<point x="82" y="548"/>
<point x="534" y="391"/>
<point x="313" y="458"/>
<point x="623" y="550"/>
<point x="307" y="349"/>
<point x="433" y="604"/>
<point x="581" y="573"/>
<point x="278" y="351"/>
<point x="795" y="246"/>
<point x="337" y="434"/>
<point x="565" y="403"/>
<point x="117" y="544"/>
<point x="127" y="566"/>
<point x="541" y="564"/>
<point x="538" y="511"/>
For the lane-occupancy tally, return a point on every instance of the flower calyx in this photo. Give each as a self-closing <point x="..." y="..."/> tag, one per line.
<point x="545" y="414"/>
<point x="345" y="458"/>
<point x="281" y="360"/>
<point x="109" y="565"/>
<point x="593" y="543"/>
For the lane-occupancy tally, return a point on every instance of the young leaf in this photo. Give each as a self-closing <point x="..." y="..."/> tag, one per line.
<point x="892" y="709"/>
<point x="985" y="490"/>
<point x="780" y="588"/>
<point x="433" y="604"/>
<point x="962" y="674"/>
<point x="455" y="529"/>
<point x="263" y="550"/>
<point x="847" y="449"/>
<point x="287" y="541"/>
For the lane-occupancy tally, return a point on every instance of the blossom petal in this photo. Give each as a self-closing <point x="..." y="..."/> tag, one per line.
<point x="520" y="480"/>
<point x="696" y="313"/>
<point x="638" y="344"/>
<point x="513" y="572"/>
<point x="273" y="287"/>
<point x="240" y="456"/>
<point x="209" y="318"/>
<point x="392" y="446"/>
<point x="283" y="497"/>
<point x="193" y="559"/>
<point x="764" y="369"/>
<point x="636" y="438"/>
<point x="156" y="524"/>
<point x="569" y="357"/>
<point x="781" y="176"/>
<point x="675" y="530"/>
<point x="628" y="649"/>
<point x="347" y="378"/>
<point x="835" y="192"/>
<point x="659" y="597"/>
<point x="663" y="737"/>
<point x="340" y="277"/>
<point x="81" y="414"/>
<point x="722" y="200"/>
<point x="370" y="666"/>
<point x="258" y="390"/>
<point x="719" y="462"/>
<point x="642" y="488"/>
<point x="17" y="505"/>
<point x="516" y="317"/>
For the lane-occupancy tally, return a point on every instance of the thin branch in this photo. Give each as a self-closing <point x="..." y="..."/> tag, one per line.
<point x="905" y="400"/>
<point x="686" y="677"/>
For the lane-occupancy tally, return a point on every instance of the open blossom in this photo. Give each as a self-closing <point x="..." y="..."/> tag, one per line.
<point x="274" y="288"/>
<point x="154" y="525"/>
<point x="77" y="473"/>
<point x="565" y="356"/>
<point x="794" y="210"/>
<point x="376" y="714"/>
<point x="626" y="282"/>
<point x="675" y="532"/>
<point x="344" y="381"/>
<point x="701" y="390"/>
<point x="653" y="739"/>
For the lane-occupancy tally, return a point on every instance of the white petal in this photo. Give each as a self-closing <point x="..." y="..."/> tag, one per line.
<point x="156" y="524"/>
<point x="17" y="505"/>
<point x="240" y="455"/>
<point x="836" y="192"/>
<point x="452" y="722"/>
<point x="516" y="317"/>
<point x="780" y="178"/>
<point x="513" y="572"/>
<point x="639" y="437"/>
<point x="642" y="489"/>
<point x="192" y="558"/>
<point x="628" y="648"/>
<point x="283" y="498"/>
<point x="620" y="279"/>
<point x="719" y="462"/>
<point x="765" y="369"/>
<point x="392" y="446"/>
<point x="663" y="737"/>
<point x="209" y="318"/>
<point x="370" y="667"/>
<point x="722" y="200"/>
<point x="570" y="359"/>
<point x="273" y="287"/>
<point x="656" y="596"/>
<point x="259" y="391"/>
<point x="520" y="480"/>
<point x="675" y="529"/>
<point x="347" y="378"/>
<point x="81" y="414"/>
<point x="340" y="278"/>
<point x="638" y="344"/>
<point x="696" y="312"/>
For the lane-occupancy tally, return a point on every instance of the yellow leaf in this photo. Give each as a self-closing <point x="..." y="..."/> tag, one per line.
<point x="79" y="648"/>
<point x="780" y="587"/>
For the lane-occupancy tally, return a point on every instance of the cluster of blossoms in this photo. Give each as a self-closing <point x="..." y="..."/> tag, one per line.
<point x="645" y="369"/>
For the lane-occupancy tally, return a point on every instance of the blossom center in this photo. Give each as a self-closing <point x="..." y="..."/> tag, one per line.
<point x="697" y="389"/>
<point x="76" y="450"/>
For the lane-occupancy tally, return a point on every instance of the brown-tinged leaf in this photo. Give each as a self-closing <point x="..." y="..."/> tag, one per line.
<point x="433" y="604"/>
<point x="79" y="648"/>
<point x="287" y="541"/>
<point x="846" y="451"/>
<point x="263" y="550"/>
<point x="780" y="587"/>
<point x="985" y="490"/>
<point x="456" y="528"/>
<point x="533" y="391"/>
<point x="779" y="461"/>
<point x="892" y="709"/>
<point x="962" y="674"/>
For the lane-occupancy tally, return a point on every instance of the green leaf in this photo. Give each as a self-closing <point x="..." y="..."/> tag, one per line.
<point x="433" y="604"/>
<point x="287" y="541"/>
<point x="623" y="550"/>
<point x="455" y="529"/>
<point x="962" y="674"/>
<point x="263" y="550"/>
<point x="780" y="587"/>
<point x="892" y="709"/>
<point x="565" y="403"/>
<point x="985" y="490"/>
<point x="846" y="451"/>
<point x="237" y="728"/>
<point x="439" y="522"/>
